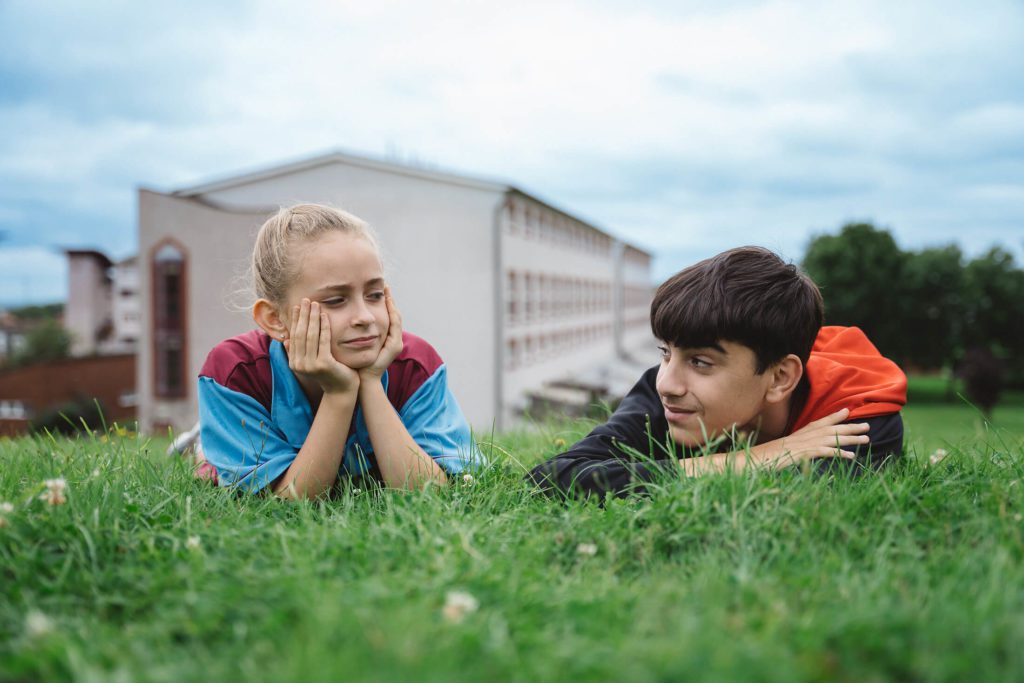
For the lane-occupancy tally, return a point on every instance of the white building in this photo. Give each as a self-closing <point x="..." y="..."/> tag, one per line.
<point x="513" y="292"/>
<point x="102" y="310"/>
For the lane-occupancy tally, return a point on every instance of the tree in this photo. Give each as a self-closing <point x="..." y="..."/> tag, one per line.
<point x="859" y="272"/>
<point x="994" y="315"/>
<point x="932" y="298"/>
<point x="44" y="342"/>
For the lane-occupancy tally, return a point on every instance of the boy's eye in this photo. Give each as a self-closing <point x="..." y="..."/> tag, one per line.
<point x="700" y="363"/>
<point x="663" y="350"/>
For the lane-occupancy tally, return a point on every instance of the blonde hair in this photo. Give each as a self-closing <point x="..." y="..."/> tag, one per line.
<point x="273" y="260"/>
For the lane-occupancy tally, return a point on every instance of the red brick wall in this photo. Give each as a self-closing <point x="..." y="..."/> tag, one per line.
<point x="39" y="387"/>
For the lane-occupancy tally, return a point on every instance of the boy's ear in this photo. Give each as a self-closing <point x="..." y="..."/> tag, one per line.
<point x="785" y="376"/>
<point x="269" y="319"/>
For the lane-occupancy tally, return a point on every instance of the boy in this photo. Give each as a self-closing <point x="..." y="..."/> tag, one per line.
<point x="744" y="354"/>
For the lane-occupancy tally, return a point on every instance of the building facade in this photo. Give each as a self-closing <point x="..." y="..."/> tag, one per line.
<point x="513" y="292"/>
<point x="102" y="311"/>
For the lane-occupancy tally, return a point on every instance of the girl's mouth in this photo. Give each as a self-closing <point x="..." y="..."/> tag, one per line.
<point x="360" y="342"/>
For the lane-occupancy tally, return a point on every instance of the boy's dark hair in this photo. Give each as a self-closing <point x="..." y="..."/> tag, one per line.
<point x="746" y="295"/>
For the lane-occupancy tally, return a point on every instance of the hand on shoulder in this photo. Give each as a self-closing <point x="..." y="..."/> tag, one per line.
<point x="828" y="437"/>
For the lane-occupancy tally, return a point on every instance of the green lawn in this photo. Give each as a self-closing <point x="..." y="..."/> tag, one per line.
<point x="912" y="574"/>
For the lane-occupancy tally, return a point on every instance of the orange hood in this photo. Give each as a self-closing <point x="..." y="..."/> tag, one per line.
<point x="845" y="370"/>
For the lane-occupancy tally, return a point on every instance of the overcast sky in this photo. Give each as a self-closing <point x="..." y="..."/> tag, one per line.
<point x="684" y="127"/>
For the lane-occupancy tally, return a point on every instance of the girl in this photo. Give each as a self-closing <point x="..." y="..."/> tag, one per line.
<point x="329" y="384"/>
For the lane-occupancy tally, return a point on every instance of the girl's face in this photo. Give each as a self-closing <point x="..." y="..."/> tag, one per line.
<point x="343" y="273"/>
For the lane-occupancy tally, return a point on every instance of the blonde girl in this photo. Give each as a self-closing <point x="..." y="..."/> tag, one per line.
<point x="329" y="385"/>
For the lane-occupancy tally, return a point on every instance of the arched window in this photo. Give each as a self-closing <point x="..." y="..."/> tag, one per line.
<point x="169" y="316"/>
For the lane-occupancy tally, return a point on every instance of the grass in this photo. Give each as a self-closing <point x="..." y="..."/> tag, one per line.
<point x="915" y="573"/>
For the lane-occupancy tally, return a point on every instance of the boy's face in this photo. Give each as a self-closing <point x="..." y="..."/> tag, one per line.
<point x="706" y="392"/>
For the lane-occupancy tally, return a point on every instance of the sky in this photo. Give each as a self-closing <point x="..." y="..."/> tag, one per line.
<point x="682" y="127"/>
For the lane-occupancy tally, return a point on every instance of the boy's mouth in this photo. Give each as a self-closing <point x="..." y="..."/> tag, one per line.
<point x="676" y="414"/>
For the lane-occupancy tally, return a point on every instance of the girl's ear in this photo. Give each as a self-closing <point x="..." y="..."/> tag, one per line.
<point x="269" y="319"/>
<point x="785" y="376"/>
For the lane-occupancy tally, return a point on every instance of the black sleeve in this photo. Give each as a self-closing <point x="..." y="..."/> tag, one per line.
<point x="599" y="463"/>
<point x="886" y="434"/>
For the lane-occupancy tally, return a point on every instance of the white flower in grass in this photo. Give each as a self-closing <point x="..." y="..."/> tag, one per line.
<point x="37" y="624"/>
<point x="193" y="543"/>
<point x="55" y="491"/>
<point x="588" y="549"/>
<point x="457" y="605"/>
<point x="96" y="473"/>
<point x="467" y="479"/>
<point x="6" y="508"/>
<point x="938" y="456"/>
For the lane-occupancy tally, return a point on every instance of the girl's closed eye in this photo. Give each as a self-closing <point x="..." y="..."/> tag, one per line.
<point x="376" y="296"/>
<point x="333" y="301"/>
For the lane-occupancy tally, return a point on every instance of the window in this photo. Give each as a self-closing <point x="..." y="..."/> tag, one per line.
<point x="545" y="308"/>
<point x="512" y="298"/>
<point x="13" y="410"/>
<point x="528" y="296"/>
<point x="512" y="354"/>
<point x="169" y="321"/>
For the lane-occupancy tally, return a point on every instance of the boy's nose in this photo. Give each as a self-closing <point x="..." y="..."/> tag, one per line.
<point x="669" y="383"/>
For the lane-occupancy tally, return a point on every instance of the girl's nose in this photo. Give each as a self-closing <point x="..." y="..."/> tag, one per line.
<point x="361" y="316"/>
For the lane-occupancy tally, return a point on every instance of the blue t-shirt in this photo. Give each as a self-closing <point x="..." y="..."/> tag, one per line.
<point x="254" y="416"/>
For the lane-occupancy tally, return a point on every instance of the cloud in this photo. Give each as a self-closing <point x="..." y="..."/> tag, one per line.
<point x="32" y="275"/>
<point x="686" y="127"/>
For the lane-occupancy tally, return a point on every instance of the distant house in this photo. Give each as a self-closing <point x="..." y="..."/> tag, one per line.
<point x="102" y="311"/>
<point x="102" y="316"/>
<point x="514" y="292"/>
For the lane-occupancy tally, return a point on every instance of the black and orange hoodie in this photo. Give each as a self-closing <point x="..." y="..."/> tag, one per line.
<point x="844" y="370"/>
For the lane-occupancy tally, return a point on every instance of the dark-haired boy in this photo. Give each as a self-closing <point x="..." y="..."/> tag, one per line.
<point x="743" y="352"/>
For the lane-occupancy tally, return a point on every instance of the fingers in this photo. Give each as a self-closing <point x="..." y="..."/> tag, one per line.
<point x="834" y="418"/>
<point x="304" y="340"/>
<point x="394" y="317"/>
<point x="313" y="327"/>
<point x="300" y="323"/>
<point x="325" y="337"/>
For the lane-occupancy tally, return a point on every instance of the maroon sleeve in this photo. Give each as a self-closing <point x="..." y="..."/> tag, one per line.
<point x="242" y="364"/>
<point x="413" y="366"/>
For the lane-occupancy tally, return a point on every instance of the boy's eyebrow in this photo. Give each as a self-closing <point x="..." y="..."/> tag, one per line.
<point x="714" y="347"/>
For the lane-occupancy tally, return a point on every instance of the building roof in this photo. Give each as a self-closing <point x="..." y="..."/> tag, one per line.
<point x="90" y="253"/>
<point x="339" y="157"/>
<point x="196" y="192"/>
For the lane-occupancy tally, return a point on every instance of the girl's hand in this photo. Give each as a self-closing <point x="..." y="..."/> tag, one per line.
<point x="309" y="351"/>
<point x="392" y="343"/>
<point x="824" y="438"/>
